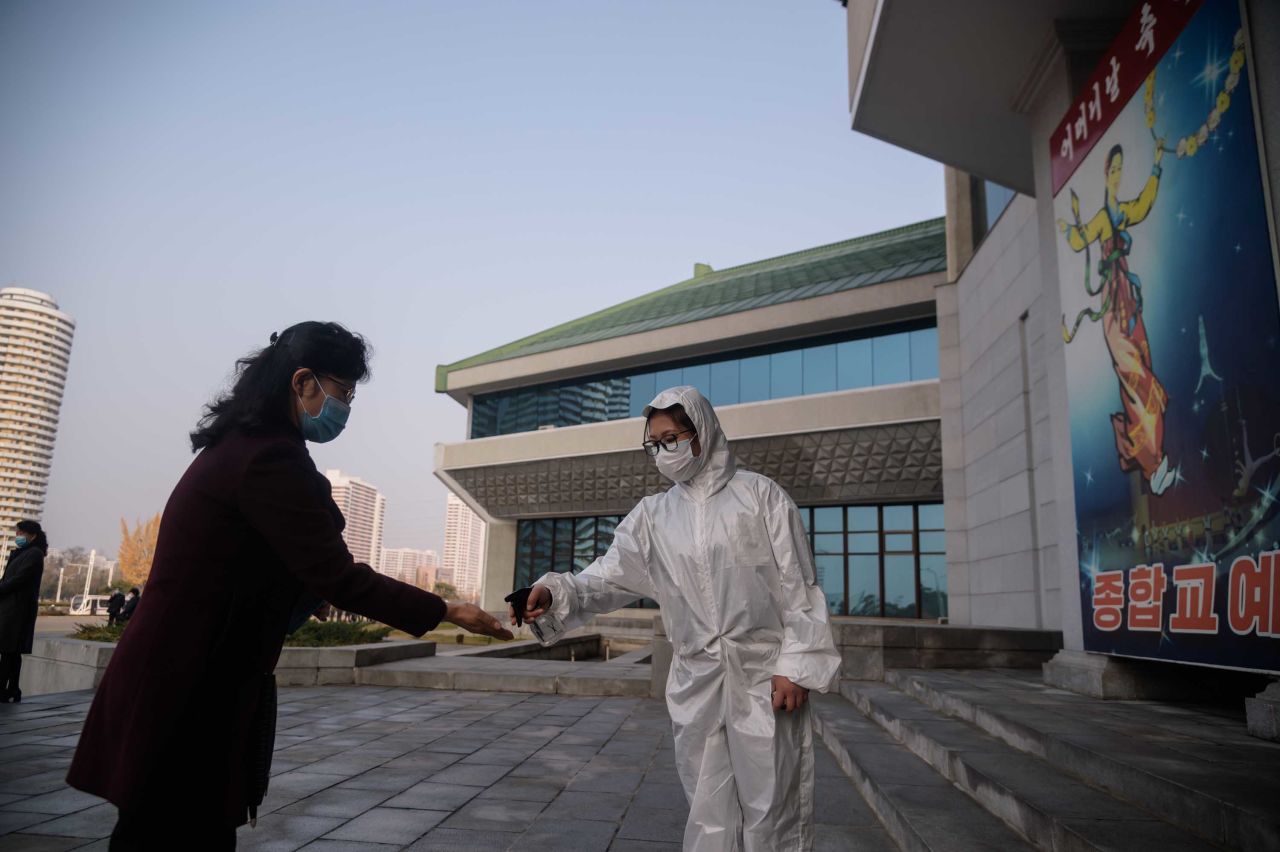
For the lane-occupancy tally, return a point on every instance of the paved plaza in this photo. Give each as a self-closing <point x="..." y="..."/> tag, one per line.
<point x="370" y="769"/>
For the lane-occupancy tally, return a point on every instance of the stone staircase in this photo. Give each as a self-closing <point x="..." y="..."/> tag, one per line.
<point x="993" y="759"/>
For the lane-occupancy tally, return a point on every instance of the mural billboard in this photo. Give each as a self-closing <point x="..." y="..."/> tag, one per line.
<point x="1167" y="271"/>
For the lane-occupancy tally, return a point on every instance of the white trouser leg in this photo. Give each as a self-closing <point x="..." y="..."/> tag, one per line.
<point x="715" y="818"/>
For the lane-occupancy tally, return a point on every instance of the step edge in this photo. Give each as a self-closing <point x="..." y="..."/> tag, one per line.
<point x="895" y="823"/>
<point x="891" y="818"/>
<point x="996" y="725"/>
<point x="1001" y="799"/>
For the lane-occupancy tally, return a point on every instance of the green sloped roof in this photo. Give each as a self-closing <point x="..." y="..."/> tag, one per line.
<point x="887" y="256"/>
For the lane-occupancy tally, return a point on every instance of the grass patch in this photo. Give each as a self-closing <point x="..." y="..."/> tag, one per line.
<point x="328" y="634"/>
<point x="99" y="632"/>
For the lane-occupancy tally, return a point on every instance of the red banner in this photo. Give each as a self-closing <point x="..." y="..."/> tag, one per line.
<point x="1143" y="40"/>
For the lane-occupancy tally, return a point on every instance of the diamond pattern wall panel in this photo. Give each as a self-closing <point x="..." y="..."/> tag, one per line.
<point x="869" y="464"/>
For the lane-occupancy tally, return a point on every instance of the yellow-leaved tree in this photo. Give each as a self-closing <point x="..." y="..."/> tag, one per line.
<point x="137" y="549"/>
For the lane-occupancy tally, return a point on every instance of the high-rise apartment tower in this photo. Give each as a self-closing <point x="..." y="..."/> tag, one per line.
<point x="364" y="508"/>
<point x="35" y="349"/>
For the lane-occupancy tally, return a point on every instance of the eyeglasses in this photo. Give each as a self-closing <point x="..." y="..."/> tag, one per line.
<point x="348" y="390"/>
<point x="668" y="443"/>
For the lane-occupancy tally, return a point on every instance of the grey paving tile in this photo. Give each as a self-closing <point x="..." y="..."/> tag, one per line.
<point x="337" y="802"/>
<point x="30" y="785"/>
<point x="390" y="780"/>
<point x="474" y="775"/>
<point x="434" y="796"/>
<point x="389" y="825"/>
<point x="91" y="823"/>
<point x="17" y="821"/>
<point x="498" y="756"/>
<point x="461" y="840"/>
<point x="586" y="805"/>
<point x="494" y="815"/>
<point x="290" y="787"/>
<point x="103" y="845"/>
<point x="623" y="844"/>
<point x="557" y="835"/>
<point x="653" y="824"/>
<point x="323" y="845"/>
<point x="558" y="770"/>
<point x="36" y="843"/>
<point x="566" y="752"/>
<point x="283" y="832"/>
<point x="607" y="780"/>
<point x="64" y="801"/>
<point x="653" y="794"/>
<point x="425" y="759"/>
<point x="524" y="790"/>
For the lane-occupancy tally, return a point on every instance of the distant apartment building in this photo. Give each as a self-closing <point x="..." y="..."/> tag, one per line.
<point x="410" y="565"/>
<point x="364" y="509"/>
<point x="35" y="349"/>
<point x="464" y="535"/>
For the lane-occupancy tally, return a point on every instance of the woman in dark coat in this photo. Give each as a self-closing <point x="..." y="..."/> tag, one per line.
<point x="250" y="544"/>
<point x="19" y="601"/>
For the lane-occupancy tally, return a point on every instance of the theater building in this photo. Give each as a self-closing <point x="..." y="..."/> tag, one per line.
<point x="823" y="365"/>
<point x="1053" y="409"/>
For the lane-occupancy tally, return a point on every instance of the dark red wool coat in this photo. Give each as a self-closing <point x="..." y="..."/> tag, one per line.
<point x="248" y="527"/>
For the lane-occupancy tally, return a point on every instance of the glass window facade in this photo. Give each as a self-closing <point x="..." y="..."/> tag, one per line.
<point x="880" y="560"/>
<point x="562" y="544"/>
<point x="908" y="353"/>
<point x="989" y="200"/>
<point x="872" y="560"/>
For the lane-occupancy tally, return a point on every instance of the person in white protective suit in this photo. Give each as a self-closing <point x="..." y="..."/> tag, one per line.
<point x="726" y="556"/>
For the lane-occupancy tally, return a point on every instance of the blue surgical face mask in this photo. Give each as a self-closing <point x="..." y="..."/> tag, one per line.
<point x="22" y="541"/>
<point x="329" y="423"/>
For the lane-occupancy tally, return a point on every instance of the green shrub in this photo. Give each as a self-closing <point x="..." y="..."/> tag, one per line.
<point x="99" y="632"/>
<point x="326" y="634"/>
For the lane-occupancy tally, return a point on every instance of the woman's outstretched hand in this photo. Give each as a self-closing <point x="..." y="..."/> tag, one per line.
<point x="472" y="618"/>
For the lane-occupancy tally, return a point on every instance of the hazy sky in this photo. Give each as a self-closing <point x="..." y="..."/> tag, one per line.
<point x="442" y="177"/>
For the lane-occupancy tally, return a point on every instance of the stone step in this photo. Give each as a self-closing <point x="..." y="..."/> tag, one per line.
<point x="1192" y="767"/>
<point x="1051" y="809"/>
<point x="920" y="810"/>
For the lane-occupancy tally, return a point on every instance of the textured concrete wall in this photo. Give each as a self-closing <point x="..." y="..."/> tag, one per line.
<point x="1006" y="440"/>
<point x="996" y="446"/>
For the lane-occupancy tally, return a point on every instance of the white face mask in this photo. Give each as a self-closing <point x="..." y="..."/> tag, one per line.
<point x="680" y="464"/>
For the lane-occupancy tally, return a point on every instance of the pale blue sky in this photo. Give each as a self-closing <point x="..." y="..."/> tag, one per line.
<point x="443" y="177"/>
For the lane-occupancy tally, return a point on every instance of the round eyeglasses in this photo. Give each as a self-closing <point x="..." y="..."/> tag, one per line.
<point x="668" y="443"/>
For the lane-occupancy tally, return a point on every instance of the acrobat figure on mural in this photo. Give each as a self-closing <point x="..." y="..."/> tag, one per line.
<point x="1139" y="426"/>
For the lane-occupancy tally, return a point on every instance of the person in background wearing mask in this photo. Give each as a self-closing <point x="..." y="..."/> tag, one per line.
<point x="19" y="603"/>
<point x="180" y="732"/>
<point x="130" y="604"/>
<point x="726" y="556"/>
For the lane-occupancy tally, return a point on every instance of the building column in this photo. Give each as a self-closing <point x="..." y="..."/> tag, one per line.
<point x="951" y="411"/>
<point x="498" y="575"/>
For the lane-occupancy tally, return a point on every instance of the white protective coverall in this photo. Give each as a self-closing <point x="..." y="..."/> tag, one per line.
<point x="726" y="556"/>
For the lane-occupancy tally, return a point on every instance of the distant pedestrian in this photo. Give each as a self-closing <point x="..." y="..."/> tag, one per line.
<point x="180" y="733"/>
<point x="19" y="601"/>
<point x="130" y="604"/>
<point x="115" y="604"/>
